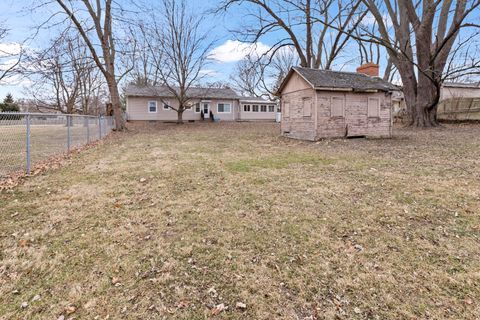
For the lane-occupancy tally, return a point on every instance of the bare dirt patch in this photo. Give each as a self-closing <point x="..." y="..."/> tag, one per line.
<point x="233" y="221"/>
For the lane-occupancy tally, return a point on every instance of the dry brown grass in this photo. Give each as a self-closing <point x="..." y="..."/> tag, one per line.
<point x="354" y="229"/>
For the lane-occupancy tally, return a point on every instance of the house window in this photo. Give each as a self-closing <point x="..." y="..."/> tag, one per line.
<point x="337" y="107"/>
<point x="271" y="108"/>
<point x="286" y="109"/>
<point x="246" y="108"/>
<point x="307" y="107"/>
<point x="263" y="108"/>
<point x="197" y="107"/>
<point x="223" y="108"/>
<point x="373" y="107"/>
<point x="152" y="106"/>
<point x="255" y="108"/>
<point x="166" y="106"/>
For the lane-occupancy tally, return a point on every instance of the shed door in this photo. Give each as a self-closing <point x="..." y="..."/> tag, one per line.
<point x="356" y="116"/>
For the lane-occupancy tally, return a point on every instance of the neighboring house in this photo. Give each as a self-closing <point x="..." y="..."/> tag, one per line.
<point x="320" y="104"/>
<point x="459" y="101"/>
<point x="148" y="103"/>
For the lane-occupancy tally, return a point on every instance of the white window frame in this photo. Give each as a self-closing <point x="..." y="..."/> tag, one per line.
<point x="271" y="106"/>
<point x="225" y="103"/>
<point x="148" y="106"/>
<point x="261" y="107"/>
<point x="256" y="105"/>
<point x="199" y="107"/>
<point x="249" y="107"/>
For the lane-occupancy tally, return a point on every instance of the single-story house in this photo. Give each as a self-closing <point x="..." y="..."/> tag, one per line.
<point x="152" y="103"/>
<point x="320" y="104"/>
<point x="459" y="101"/>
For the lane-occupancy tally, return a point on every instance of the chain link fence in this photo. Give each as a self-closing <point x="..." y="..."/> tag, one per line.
<point x="30" y="138"/>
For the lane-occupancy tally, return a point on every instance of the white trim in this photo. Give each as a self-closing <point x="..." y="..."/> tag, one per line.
<point x="225" y="103"/>
<point x="249" y="107"/>
<point x="199" y="107"/>
<point x="148" y="106"/>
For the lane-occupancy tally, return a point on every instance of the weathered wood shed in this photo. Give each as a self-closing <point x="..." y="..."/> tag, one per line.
<point x="320" y="104"/>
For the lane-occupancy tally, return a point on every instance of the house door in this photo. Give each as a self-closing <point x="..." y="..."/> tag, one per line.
<point x="206" y="109"/>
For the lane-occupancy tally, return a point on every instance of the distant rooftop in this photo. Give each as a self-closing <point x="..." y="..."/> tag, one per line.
<point x="193" y="92"/>
<point x="475" y="85"/>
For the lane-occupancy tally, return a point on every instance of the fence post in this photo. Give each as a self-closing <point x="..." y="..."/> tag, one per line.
<point x="87" y="120"/>
<point x="100" y="126"/>
<point x="28" y="143"/>
<point x="68" y="132"/>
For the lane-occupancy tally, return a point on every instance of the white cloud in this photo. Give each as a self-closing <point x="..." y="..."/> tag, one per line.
<point x="8" y="49"/>
<point x="208" y="72"/>
<point x="234" y="50"/>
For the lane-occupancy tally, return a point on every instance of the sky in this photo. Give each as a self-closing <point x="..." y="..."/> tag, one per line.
<point x="21" y="20"/>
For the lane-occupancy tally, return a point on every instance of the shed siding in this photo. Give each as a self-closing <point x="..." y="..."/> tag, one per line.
<point x="294" y="124"/>
<point x="355" y="121"/>
<point x="137" y="110"/>
<point x="296" y="83"/>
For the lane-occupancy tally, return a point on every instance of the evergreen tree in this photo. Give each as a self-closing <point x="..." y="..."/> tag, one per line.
<point x="9" y="104"/>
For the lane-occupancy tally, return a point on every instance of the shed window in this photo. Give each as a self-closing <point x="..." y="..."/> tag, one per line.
<point x="271" y="108"/>
<point x="152" y="106"/>
<point x="307" y="107"/>
<point x="246" y="108"/>
<point x="223" y="108"/>
<point x="286" y="109"/>
<point x="263" y="108"/>
<point x="337" y="107"/>
<point x="255" y="108"/>
<point x="197" y="107"/>
<point x="373" y="107"/>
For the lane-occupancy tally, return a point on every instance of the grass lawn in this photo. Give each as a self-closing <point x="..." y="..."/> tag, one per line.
<point x="174" y="221"/>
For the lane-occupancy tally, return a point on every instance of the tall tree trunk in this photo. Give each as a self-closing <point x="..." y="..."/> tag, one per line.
<point x="116" y="105"/>
<point x="180" y="116"/>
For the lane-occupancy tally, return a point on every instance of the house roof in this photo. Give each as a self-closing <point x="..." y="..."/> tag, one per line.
<point x="462" y="85"/>
<point x="193" y="92"/>
<point x="256" y="100"/>
<point x="339" y="80"/>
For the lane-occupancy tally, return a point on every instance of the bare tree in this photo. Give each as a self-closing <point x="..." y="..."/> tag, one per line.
<point x="318" y="30"/>
<point x="246" y="76"/>
<point x="94" y="22"/>
<point x="180" y="50"/>
<point x="421" y="39"/>
<point x="64" y="77"/>
<point x="9" y="59"/>
<point x="261" y="76"/>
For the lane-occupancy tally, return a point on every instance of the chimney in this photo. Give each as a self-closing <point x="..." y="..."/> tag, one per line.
<point x="370" y="69"/>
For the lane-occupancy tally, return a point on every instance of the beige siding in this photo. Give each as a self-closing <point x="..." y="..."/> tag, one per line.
<point x="296" y="83"/>
<point x="260" y="116"/>
<point x="137" y="109"/>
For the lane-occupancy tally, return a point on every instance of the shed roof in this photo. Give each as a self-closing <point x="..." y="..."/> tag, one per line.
<point x="339" y="80"/>
<point x="193" y="92"/>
